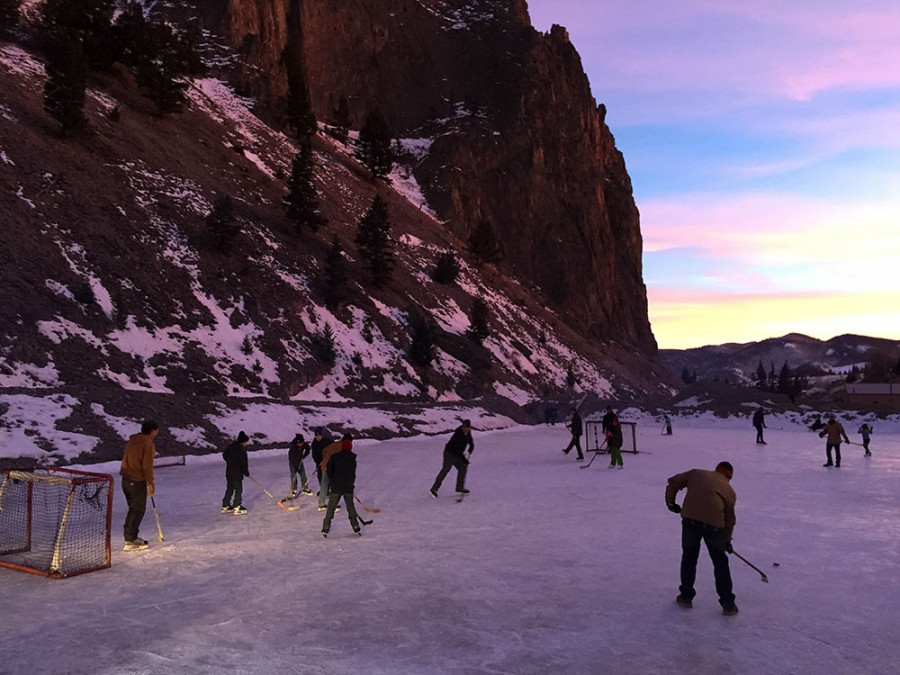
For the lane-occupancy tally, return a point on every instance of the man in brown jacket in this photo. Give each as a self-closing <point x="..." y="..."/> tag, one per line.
<point x="707" y="515"/>
<point x="137" y="481"/>
<point x="834" y="431"/>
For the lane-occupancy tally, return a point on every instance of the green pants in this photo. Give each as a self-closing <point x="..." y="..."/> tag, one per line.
<point x="615" y="455"/>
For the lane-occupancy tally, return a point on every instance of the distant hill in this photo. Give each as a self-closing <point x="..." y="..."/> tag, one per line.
<point x="737" y="363"/>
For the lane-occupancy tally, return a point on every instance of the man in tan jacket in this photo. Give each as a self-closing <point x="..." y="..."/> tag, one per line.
<point x="137" y="481"/>
<point x="833" y="433"/>
<point x="707" y="515"/>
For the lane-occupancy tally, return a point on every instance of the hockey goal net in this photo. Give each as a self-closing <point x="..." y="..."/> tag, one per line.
<point x="595" y="439"/>
<point x="55" y="522"/>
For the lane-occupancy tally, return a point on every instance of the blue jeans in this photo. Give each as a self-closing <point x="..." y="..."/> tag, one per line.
<point x="303" y="482"/>
<point x="332" y="505"/>
<point x="233" y="492"/>
<point x="692" y="533"/>
<point x="323" y="489"/>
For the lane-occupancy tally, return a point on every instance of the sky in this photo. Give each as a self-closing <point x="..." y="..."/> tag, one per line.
<point x="544" y="568"/>
<point x="763" y="142"/>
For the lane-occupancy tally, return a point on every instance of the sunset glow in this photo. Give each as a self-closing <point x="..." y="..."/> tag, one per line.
<point x="763" y="143"/>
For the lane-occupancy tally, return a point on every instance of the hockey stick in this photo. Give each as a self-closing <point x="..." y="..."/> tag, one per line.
<point x="363" y="520"/>
<point x="286" y="508"/>
<point x="156" y="515"/>
<point x="364" y="507"/>
<point x="761" y="573"/>
<point x="596" y="452"/>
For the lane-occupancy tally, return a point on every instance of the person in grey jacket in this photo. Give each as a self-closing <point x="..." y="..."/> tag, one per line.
<point x="707" y="515"/>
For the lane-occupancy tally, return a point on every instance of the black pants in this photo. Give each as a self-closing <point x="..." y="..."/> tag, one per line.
<point x="837" y="453"/>
<point x="692" y="533"/>
<point x="759" y="435"/>
<point x="234" y="489"/>
<point x="136" y="498"/>
<point x="461" y="464"/>
<point x="575" y="443"/>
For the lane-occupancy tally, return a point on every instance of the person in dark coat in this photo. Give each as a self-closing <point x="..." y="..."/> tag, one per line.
<point x="614" y="443"/>
<point x="298" y="450"/>
<point x="576" y="428"/>
<point x="707" y="515"/>
<point x="606" y="422"/>
<point x="236" y="467"/>
<point x="759" y="423"/>
<point x="455" y="455"/>
<point x="321" y="440"/>
<point x="341" y="470"/>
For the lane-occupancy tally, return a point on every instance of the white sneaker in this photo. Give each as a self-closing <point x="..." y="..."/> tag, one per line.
<point x="239" y="510"/>
<point x="227" y="509"/>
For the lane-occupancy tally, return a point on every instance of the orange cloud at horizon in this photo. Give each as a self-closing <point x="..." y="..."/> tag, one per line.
<point x="686" y="319"/>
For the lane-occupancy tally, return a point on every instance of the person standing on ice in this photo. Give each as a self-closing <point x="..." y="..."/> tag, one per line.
<point x="340" y="465"/>
<point x="297" y="451"/>
<point x="606" y="422"/>
<point x="137" y="481"/>
<point x="455" y="455"/>
<point x="321" y="440"/>
<point x="708" y="516"/>
<point x="576" y="428"/>
<point x="236" y="467"/>
<point x="759" y="423"/>
<point x="865" y="431"/>
<point x="667" y="426"/>
<point x="614" y="443"/>
<point x="833" y="433"/>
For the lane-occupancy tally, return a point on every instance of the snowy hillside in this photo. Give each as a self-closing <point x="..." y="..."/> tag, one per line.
<point x="544" y="568"/>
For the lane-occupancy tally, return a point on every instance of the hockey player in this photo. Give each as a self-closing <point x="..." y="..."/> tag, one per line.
<point x="614" y="443"/>
<point x="576" y="428"/>
<point x="340" y="465"/>
<point x="298" y="450"/>
<point x="321" y="440"/>
<point x="708" y="516"/>
<point x="236" y="467"/>
<point x="759" y="423"/>
<point x="865" y="431"/>
<point x="833" y="433"/>
<point x="137" y="481"/>
<point x="455" y="455"/>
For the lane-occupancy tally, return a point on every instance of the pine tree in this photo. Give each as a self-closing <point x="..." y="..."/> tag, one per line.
<point x="301" y="120"/>
<point x="761" y="377"/>
<point x="222" y="224"/>
<point x="323" y="347"/>
<point x="64" y="88"/>
<point x="373" y="239"/>
<point x="334" y="277"/>
<point x="421" y="348"/>
<point x="341" y="119"/>
<point x="161" y="68"/>
<point x="301" y="203"/>
<point x="446" y="269"/>
<point x="685" y="375"/>
<point x="375" y="145"/>
<point x="784" y="379"/>
<point x="483" y="243"/>
<point x="9" y="14"/>
<point x="571" y="380"/>
<point x="479" y="318"/>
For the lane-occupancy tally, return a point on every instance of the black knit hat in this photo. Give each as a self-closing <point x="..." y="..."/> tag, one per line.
<point x="299" y="439"/>
<point x="243" y="438"/>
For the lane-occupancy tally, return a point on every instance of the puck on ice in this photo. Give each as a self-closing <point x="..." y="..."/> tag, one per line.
<point x="776" y="564"/>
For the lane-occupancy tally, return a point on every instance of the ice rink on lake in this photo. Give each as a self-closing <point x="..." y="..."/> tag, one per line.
<point x="544" y="568"/>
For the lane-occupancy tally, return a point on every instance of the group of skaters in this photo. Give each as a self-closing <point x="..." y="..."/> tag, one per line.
<point x="611" y="428"/>
<point x="832" y="431"/>
<point x="335" y="469"/>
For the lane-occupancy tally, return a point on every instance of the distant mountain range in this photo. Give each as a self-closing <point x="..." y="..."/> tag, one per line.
<point x="737" y="363"/>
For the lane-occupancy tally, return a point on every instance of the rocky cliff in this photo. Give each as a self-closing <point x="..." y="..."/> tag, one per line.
<point x="513" y="133"/>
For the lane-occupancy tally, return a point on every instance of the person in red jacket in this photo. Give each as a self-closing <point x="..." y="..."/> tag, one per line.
<point x="706" y="516"/>
<point x="340" y="463"/>
<point x="137" y="481"/>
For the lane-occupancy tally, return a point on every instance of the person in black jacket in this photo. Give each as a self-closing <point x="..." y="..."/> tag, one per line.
<point x="298" y="450"/>
<point x="321" y="440"/>
<point x="341" y="469"/>
<point x="576" y="427"/>
<point x="236" y="467"/>
<point x="759" y="423"/>
<point x="455" y="455"/>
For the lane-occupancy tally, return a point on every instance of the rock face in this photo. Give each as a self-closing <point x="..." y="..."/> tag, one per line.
<point x="516" y="136"/>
